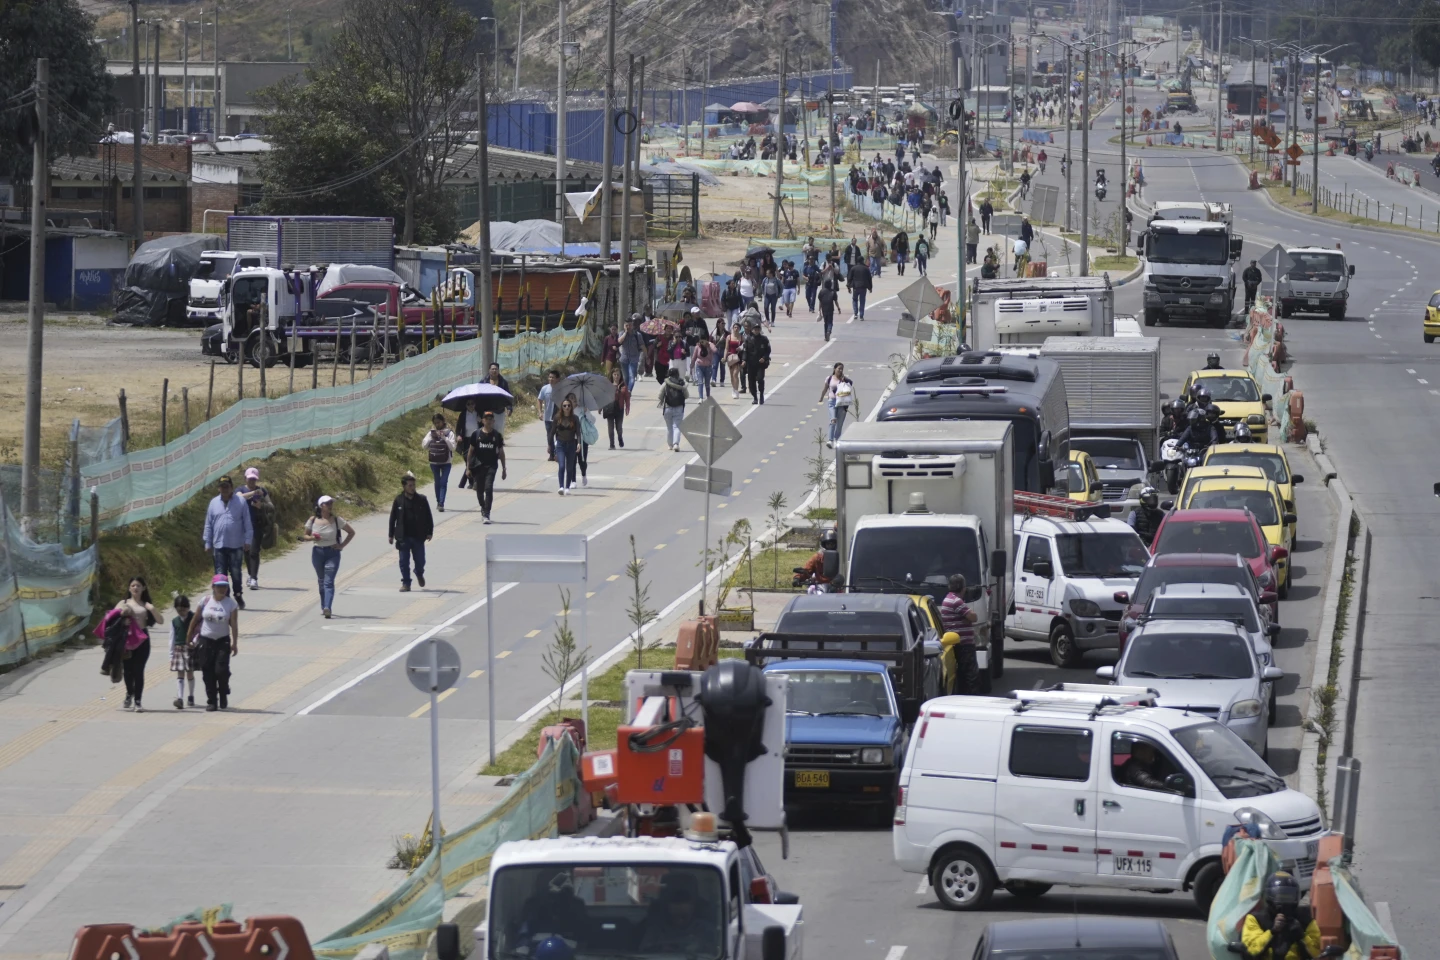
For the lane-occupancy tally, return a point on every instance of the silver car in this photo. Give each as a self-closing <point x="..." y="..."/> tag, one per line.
<point x="1217" y="601"/>
<point x="1205" y="667"/>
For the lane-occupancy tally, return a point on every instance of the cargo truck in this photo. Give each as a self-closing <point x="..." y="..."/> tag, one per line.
<point x="1023" y="312"/>
<point x="302" y="242"/>
<point x="216" y="266"/>
<point x="919" y="501"/>
<point x="1187" y="270"/>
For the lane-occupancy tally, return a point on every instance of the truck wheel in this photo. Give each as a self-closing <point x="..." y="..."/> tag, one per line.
<point x="962" y="879"/>
<point x="1285" y="310"/>
<point x="1152" y="317"/>
<point x="1337" y="314"/>
<point x="1063" y="652"/>
<point x="1429" y="338"/>
<point x="1206" y="883"/>
<point x="1027" y="889"/>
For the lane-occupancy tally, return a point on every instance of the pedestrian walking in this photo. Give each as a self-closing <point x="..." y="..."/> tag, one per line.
<point x="229" y="534"/>
<point x="922" y="254"/>
<point x="609" y="350"/>
<point x="331" y="535"/>
<point x="439" y="446"/>
<point x="181" y="663"/>
<point x="972" y="240"/>
<point x="838" y="392"/>
<point x="546" y="402"/>
<point x="956" y="618"/>
<point x="987" y="210"/>
<point x="732" y="360"/>
<point x="466" y="426"/>
<point x="860" y="284"/>
<point x="214" y="638"/>
<point x="616" y="410"/>
<point x="770" y="289"/>
<point x="411" y="527"/>
<point x="702" y="357"/>
<point x="632" y="345"/>
<point x="719" y="341"/>
<point x="933" y="220"/>
<point x="138" y="609"/>
<point x="673" y="395"/>
<point x="877" y="253"/>
<point x="827" y="298"/>
<point x="755" y="352"/>
<point x="789" y="287"/>
<point x="487" y="455"/>
<point x="900" y="247"/>
<point x="747" y="291"/>
<point x="812" y="273"/>
<point x="262" y="522"/>
<point x="662" y="355"/>
<point x="567" y="443"/>
<point x="730" y="301"/>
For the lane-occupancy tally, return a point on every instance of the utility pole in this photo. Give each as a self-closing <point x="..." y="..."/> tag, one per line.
<point x="1220" y="76"/>
<point x="684" y="99"/>
<point x="780" y="146"/>
<point x="185" y="80"/>
<point x="1069" y="125"/>
<point x="962" y="220"/>
<point x="290" y="46"/>
<point x="520" y="39"/>
<point x="560" y="132"/>
<point x="35" y="341"/>
<point x="633" y="132"/>
<point x="830" y="125"/>
<point x="639" y="126"/>
<point x="1009" y="161"/>
<point x="216" y="119"/>
<point x="1315" y="154"/>
<point x="485" y="294"/>
<point x="704" y="95"/>
<point x="607" y="148"/>
<point x="1254" y="84"/>
<point x="137" y="192"/>
<point x="1124" y="165"/>
<point x="1294" y="120"/>
<point x="1085" y="170"/>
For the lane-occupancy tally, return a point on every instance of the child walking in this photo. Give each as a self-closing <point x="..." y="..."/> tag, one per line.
<point x="180" y="653"/>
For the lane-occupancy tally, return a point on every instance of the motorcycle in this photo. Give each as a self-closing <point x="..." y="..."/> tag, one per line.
<point x="1175" y="460"/>
<point x="812" y="583"/>
<point x="1099" y="191"/>
<point x="1369" y="153"/>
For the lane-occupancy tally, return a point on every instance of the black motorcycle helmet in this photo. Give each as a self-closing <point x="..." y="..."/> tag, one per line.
<point x="1212" y="361"/>
<point x="1201" y="397"/>
<point x="829" y="539"/>
<point x="1212" y="413"/>
<point x="1282" y="892"/>
<point x="1177" y="408"/>
<point x="1149" y="498"/>
<point x="1242" y="433"/>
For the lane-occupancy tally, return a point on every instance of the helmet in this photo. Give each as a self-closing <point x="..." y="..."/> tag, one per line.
<point x="1195" y="416"/>
<point x="1177" y="407"/>
<point x="1212" y="413"/>
<point x="1242" y="433"/>
<point x="555" y="948"/>
<point x="1212" y="361"/>
<point x="1201" y="396"/>
<point x="1281" y="890"/>
<point x="1149" y="497"/>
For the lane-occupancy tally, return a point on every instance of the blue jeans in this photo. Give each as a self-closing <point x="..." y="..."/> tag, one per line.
<point x="441" y="473"/>
<point x="717" y="369"/>
<point x="231" y="562"/>
<point x="411" y="546"/>
<point x="875" y="266"/>
<point x="631" y="369"/>
<point x="857" y="302"/>
<point x="326" y="561"/>
<point x="702" y="379"/>
<point x="837" y="419"/>
<point x="565" y="453"/>
<point x="770" y="302"/>
<point x="673" y="416"/>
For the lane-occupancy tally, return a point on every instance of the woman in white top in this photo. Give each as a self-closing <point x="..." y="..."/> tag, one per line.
<point x="141" y="611"/>
<point x="326" y="529"/>
<point x="838" y="392"/>
<point x="214" y="638"/>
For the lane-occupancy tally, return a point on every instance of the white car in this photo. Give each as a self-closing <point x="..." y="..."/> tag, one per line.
<point x="1205" y="668"/>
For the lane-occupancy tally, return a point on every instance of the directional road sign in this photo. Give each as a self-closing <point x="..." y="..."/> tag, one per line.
<point x="719" y="483"/>
<point x="698" y="424"/>
<point x="920" y="298"/>
<point x="1276" y="261"/>
<point x="417" y="666"/>
<point x="911" y="330"/>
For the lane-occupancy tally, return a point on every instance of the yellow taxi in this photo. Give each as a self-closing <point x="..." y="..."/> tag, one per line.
<point x="1254" y="492"/>
<point x="1267" y="457"/>
<point x="1237" y="395"/>
<point x="1432" y="317"/>
<point x="1082" y="480"/>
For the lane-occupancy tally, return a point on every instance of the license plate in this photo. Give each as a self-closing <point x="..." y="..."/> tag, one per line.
<point x="812" y="778"/>
<point x="1185" y="301"/>
<point x="1313" y="302"/>
<point x="1132" y="866"/>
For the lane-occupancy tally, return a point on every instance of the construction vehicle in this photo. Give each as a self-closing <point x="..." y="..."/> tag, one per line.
<point x="697" y="766"/>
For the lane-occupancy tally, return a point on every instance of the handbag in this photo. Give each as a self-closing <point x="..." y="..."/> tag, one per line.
<point x="588" y="431"/>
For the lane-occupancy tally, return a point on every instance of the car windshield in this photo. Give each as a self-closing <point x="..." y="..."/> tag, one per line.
<point x="1234" y="389"/>
<point x="218" y="268"/>
<point x="375" y="295"/>
<point x="1153" y="577"/>
<point x="1205" y="608"/>
<point x="1208" y="536"/>
<point x="913" y="559"/>
<point x="1272" y="463"/>
<point x="614" y="911"/>
<point x="1110" y="454"/>
<point x="1435" y="300"/>
<point x="1207" y="248"/>
<point x="833" y="692"/>
<point x="1118" y="554"/>
<point x="1258" y="502"/>
<point x="1316" y="266"/>
<point x="1187" y="656"/>
<point x="1231" y="765"/>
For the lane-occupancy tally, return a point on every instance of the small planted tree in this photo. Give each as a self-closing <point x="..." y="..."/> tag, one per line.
<point x="563" y="659"/>
<point x="738" y="534"/>
<point x="818" y="473"/>
<point x="638" y="610"/>
<point x="777" y="504"/>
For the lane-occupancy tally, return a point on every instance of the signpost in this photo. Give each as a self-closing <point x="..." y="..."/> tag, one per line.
<point x="920" y="300"/>
<point x="1276" y="262"/>
<point x="712" y="433"/>
<point x="433" y="667"/>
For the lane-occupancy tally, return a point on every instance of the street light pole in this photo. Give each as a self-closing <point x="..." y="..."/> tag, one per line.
<point x="560" y="131"/>
<point x="1085" y="170"/>
<point x="137" y="191"/>
<point x="1069" y="126"/>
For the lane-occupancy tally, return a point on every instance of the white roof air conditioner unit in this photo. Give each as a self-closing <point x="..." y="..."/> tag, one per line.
<point x="1042" y="317"/>
<point x="914" y="468"/>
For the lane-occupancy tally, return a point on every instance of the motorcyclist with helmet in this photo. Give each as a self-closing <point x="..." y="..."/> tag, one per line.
<point x="1145" y="519"/>
<point x="1212" y="361"/>
<point x="1200" y="399"/>
<point x="1174" y="421"/>
<point x="1279" y="928"/>
<point x="1202" y="429"/>
<point x="1242" y="434"/>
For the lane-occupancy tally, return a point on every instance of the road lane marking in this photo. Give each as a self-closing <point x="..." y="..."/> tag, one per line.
<point x="476" y="673"/>
<point x="1411" y="372"/>
<point x="505" y="653"/>
<point x="659" y="546"/>
<point x="896" y="953"/>
<point x="612" y="578"/>
<point x="1422" y="380"/>
<point x="532" y="633"/>
<point x="924" y="887"/>
<point x="445" y="694"/>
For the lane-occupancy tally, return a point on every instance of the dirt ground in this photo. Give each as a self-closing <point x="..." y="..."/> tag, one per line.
<point x="88" y="363"/>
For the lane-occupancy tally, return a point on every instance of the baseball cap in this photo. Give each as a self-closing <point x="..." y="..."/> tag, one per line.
<point x="324" y="500"/>
<point x="226" y="480"/>
<point x="253" y="473"/>
<point x="220" y="580"/>
<point x="409" y="475"/>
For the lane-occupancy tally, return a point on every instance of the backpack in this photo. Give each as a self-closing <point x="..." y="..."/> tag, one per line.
<point x="436" y="446"/>
<point x="674" y="396"/>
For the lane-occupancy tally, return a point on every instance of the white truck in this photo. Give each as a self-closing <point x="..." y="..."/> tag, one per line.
<point x="917" y="501"/>
<point x="1188" y="270"/>
<point x="1113" y="388"/>
<point x="1023" y="312"/>
<point x="1204" y="210"/>
<point x="1318" y="281"/>
<point x="216" y="266"/>
<point x="1069" y="563"/>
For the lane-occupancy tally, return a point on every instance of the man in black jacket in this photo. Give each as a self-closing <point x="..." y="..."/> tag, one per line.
<point x="755" y="354"/>
<point x="860" y="284"/>
<point x="411" y="525"/>
<point x="827" y="298"/>
<point x="1251" y="278"/>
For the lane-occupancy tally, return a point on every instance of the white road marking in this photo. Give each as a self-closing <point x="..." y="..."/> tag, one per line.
<point x="896" y="953"/>
<point x="924" y="887"/>
<point x="1421" y="380"/>
<point x="1411" y="372"/>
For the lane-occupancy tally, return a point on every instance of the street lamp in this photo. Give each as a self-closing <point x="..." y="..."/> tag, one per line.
<point x="495" y="55"/>
<point x="1315" y="113"/>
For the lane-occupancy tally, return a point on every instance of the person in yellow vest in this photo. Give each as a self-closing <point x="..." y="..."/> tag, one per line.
<point x="1279" y="928"/>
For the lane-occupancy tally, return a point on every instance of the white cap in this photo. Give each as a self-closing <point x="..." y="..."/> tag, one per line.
<point x="324" y="500"/>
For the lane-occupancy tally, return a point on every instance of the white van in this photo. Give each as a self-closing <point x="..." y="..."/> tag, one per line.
<point x="1043" y="788"/>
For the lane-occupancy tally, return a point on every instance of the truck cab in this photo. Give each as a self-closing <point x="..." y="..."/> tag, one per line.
<point x="1187" y="270"/>
<point x="1318" y="281"/>
<point x="216" y="266"/>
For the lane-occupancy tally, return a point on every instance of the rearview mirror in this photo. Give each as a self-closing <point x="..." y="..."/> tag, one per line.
<point x="973" y="593"/>
<point x="1272" y="673"/>
<point x="1177" y="781"/>
<point x="1289" y="518"/>
<point x="1096" y="486"/>
<point x="1121" y="596"/>
<point x="1297" y="479"/>
<point x="1352" y="269"/>
<point x="1272" y="630"/>
<point x="772" y="943"/>
<point x="1043" y="569"/>
<point x="1105" y="673"/>
<point x="786" y="897"/>
<point x="1267" y="597"/>
<point x="1167" y="504"/>
<point x="1266" y="397"/>
<point x="1278" y="553"/>
<point x="999" y="563"/>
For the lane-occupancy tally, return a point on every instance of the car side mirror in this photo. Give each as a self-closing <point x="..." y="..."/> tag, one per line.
<point x="1047" y="474"/>
<point x="1266" y="397"/>
<point x="1289" y="518"/>
<point x="1167" y="504"/>
<point x="1096" y="486"/>
<point x="1268" y="597"/>
<point x="1297" y="479"/>
<point x="973" y="594"/>
<point x="1105" y="673"/>
<point x="1352" y="269"/>
<point x="1272" y="673"/>
<point x="909" y="711"/>
<point x="1043" y="569"/>
<point x="1272" y="630"/>
<point x="999" y="563"/>
<point x="1279" y="553"/>
<point x="1121" y="596"/>
<point x="772" y="943"/>
<point x="1177" y="781"/>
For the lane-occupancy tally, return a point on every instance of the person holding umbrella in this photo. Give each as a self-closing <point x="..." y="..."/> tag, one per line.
<point x="587" y="392"/>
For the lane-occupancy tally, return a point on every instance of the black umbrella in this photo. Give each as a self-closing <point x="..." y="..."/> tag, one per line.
<point x="487" y="396"/>
<point x="592" y="391"/>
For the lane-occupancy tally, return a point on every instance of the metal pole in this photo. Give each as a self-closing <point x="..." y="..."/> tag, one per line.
<point x="705" y="543"/>
<point x="1253" y="84"/>
<point x="607" y="149"/>
<point x="1009" y="163"/>
<point x="830" y="136"/>
<point x="962" y="223"/>
<point x="1294" y="123"/>
<point x="215" y="96"/>
<point x="1315" y="154"/>
<point x="560" y="132"/>
<point x="1220" y="74"/>
<point x="137" y="193"/>
<point x="1085" y="170"/>
<point x="1124" y="164"/>
<point x="585" y="643"/>
<point x="435" y="761"/>
<point x="1069" y="125"/>
<point x="779" y="149"/>
<point x="704" y="95"/>
<point x="519" y="40"/>
<point x="35" y="338"/>
<point x="489" y="660"/>
<point x="485" y="295"/>
<point x="185" y="81"/>
<point x="624" y="277"/>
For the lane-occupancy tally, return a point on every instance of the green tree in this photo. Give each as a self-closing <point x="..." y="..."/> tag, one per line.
<point x="374" y="128"/>
<point x="80" y="90"/>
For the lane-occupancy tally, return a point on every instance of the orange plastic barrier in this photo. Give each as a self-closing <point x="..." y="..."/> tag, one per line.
<point x="258" y="938"/>
<point x="698" y="644"/>
<point x="1324" y="905"/>
<point x="1297" y="416"/>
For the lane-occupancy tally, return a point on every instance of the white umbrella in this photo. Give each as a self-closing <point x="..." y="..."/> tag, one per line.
<point x="487" y="396"/>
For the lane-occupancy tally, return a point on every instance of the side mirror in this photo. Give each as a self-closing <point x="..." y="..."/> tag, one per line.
<point x="1352" y="269"/>
<point x="1289" y="518"/>
<point x="1272" y="673"/>
<point x="1297" y="479"/>
<point x="909" y="712"/>
<point x="1096" y="486"/>
<point x="1047" y="474"/>
<point x="1177" y="781"/>
<point x="1105" y="673"/>
<point x="447" y="941"/>
<point x="797" y="569"/>
<point x="772" y="943"/>
<point x="973" y="594"/>
<point x="1044" y="569"/>
<point x="1121" y="596"/>
<point x="1272" y="630"/>
<point x="1267" y="597"/>
<point x="1167" y="504"/>
<point x="1279" y="553"/>
<point x="1266" y="397"/>
<point x="1000" y="563"/>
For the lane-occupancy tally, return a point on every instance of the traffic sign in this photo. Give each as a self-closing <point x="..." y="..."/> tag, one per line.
<point x="1294" y="151"/>
<point x="418" y="664"/>
<point x="921" y="298"/>
<point x="698" y="425"/>
<point x="910" y="329"/>
<point x="719" y="481"/>
<point x="1276" y="261"/>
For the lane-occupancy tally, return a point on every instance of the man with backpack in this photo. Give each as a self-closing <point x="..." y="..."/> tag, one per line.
<point x="262" y="521"/>
<point x="755" y="354"/>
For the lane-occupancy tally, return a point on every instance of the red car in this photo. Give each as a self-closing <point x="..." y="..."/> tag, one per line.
<point x="1190" y="568"/>
<point x="1222" y="531"/>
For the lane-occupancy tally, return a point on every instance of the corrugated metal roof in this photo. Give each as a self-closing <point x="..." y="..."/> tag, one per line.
<point x="93" y="168"/>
